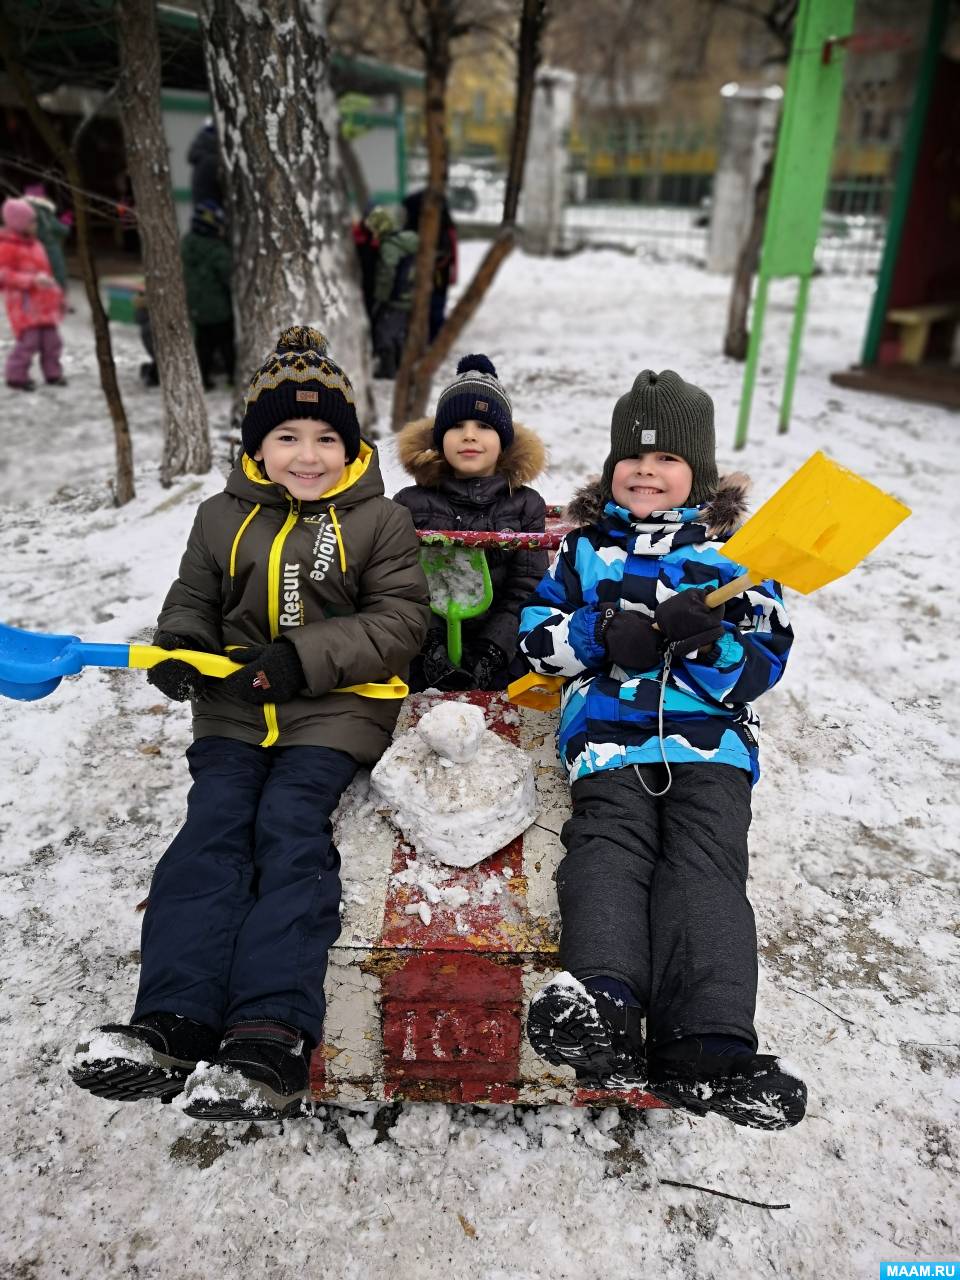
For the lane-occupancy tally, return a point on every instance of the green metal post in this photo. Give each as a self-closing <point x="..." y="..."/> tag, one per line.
<point x="904" y="183"/>
<point x="793" y="357"/>
<point x="801" y="175"/>
<point x="753" y="353"/>
<point x="400" y="124"/>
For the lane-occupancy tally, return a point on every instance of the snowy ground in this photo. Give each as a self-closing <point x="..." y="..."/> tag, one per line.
<point x="854" y="869"/>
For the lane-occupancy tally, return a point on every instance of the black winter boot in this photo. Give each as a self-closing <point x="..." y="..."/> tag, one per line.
<point x="751" y="1089"/>
<point x="148" y="1058"/>
<point x="261" y="1072"/>
<point x="600" y="1038"/>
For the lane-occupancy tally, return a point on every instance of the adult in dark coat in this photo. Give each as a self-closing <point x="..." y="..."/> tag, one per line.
<point x="445" y="262"/>
<point x="204" y="159"/>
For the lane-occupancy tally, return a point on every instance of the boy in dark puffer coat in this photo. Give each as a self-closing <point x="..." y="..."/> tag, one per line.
<point x="472" y="465"/>
<point x="304" y="573"/>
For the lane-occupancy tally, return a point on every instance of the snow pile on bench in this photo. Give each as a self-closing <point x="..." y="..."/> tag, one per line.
<point x="457" y="791"/>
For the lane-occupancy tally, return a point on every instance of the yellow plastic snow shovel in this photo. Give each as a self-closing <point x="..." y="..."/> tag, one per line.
<point x="816" y="527"/>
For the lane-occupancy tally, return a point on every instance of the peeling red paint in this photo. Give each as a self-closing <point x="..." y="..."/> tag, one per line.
<point x="453" y="1021"/>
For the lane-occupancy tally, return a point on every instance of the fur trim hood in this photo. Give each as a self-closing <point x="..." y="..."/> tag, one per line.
<point x="519" y="463"/>
<point x="722" y="514"/>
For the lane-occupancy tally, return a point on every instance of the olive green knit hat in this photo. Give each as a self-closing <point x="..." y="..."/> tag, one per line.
<point x="662" y="412"/>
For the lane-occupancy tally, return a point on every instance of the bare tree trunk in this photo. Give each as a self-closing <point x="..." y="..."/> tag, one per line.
<point x="294" y="261"/>
<point x="533" y="21"/>
<point x="123" y="488"/>
<point x="436" y="48"/>
<point x="737" y="338"/>
<point x="186" y="433"/>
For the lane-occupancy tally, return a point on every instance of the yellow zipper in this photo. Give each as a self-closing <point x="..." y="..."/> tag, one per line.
<point x="273" y="612"/>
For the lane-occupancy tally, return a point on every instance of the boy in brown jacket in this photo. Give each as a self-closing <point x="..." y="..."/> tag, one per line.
<point x="306" y="574"/>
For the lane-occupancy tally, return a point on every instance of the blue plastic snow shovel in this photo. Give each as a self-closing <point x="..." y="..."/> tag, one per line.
<point x="32" y="663"/>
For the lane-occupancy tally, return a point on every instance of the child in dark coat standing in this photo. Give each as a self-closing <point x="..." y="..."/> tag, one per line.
<point x="206" y="275"/>
<point x="392" y="288"/>
<point x="473" y="464"/>
<point x="660" y="742"/>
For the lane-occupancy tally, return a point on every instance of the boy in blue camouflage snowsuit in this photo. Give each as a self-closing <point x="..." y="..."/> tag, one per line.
<point x="660" y="741"/>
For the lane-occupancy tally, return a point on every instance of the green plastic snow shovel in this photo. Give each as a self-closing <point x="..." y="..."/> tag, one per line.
<point x="455" y="595"/>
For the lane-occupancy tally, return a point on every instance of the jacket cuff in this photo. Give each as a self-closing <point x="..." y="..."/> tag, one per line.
<point x="583" y="627"/>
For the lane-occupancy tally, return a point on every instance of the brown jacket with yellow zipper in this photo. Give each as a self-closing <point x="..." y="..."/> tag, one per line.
<point x="339" y="577"/>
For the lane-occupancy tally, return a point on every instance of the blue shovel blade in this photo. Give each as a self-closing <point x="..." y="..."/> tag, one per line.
<point x="27" y="692"/>
<point x="33" y="663"/>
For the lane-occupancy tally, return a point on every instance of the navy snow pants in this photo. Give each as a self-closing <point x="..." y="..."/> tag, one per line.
<point x="245" y="903"/>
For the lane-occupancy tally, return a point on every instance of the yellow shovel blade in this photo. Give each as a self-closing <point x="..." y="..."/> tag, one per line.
<point x="816" y="527"/>
<point x="542" y="693"/>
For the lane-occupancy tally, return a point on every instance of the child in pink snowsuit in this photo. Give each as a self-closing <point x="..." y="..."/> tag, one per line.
<point x="34" y="299"/>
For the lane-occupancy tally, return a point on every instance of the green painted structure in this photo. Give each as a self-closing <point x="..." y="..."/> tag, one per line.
<point x="801" y="172"/>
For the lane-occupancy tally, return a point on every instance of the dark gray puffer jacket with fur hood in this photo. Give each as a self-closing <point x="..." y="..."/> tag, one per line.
<point x="503" y="501"/>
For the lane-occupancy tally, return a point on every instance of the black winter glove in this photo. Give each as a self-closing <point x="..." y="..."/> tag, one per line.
<point x="483" y="660"/>
<point x="688" y="622"/>
<point x="438" y="671"/>
<point x="175" y="679"/>
<point x="270" y="673"/>
<point x="629" y="638"/>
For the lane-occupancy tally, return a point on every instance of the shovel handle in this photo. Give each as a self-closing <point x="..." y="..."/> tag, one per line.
<point x="735" y="587"/>
<point x="144" y="656"/>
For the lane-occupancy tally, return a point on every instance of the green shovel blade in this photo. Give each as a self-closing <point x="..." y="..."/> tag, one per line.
<point x="460" y="588"/>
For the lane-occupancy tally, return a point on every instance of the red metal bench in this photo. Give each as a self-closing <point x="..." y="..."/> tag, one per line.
<point x="428" y="1000"/>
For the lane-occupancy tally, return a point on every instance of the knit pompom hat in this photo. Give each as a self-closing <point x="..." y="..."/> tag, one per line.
<point x="18" y="215"/>
<point x="474" y="395"/>
<point x="300" y="380"/>
<point x="662" y="412"/>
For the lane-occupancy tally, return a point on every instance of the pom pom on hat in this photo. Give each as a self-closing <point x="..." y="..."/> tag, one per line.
<point x="300" y="337"/>
<point x="475" y="395"/>
<point x="478" y="363"/>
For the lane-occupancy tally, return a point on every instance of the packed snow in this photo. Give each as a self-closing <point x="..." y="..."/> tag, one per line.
<point x="854" y="849"/>
<point x="457" y="790"/>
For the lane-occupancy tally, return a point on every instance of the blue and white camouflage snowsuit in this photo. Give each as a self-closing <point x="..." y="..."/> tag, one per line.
<point x="609" y="714"/>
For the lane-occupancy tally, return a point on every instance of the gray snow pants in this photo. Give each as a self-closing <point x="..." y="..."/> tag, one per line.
<point x="653" y="892"/>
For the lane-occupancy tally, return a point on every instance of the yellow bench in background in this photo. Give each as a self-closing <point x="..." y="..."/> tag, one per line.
<point x="915" y="323"/>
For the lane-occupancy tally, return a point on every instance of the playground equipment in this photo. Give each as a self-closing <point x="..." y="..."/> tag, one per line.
<point x="801" y="171"/>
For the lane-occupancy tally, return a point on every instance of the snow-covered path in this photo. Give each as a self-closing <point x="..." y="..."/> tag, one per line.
<point x="855" y="868"/>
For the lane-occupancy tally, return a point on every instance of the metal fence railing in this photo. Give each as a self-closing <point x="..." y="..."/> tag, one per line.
<point x="664" y="211"/>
